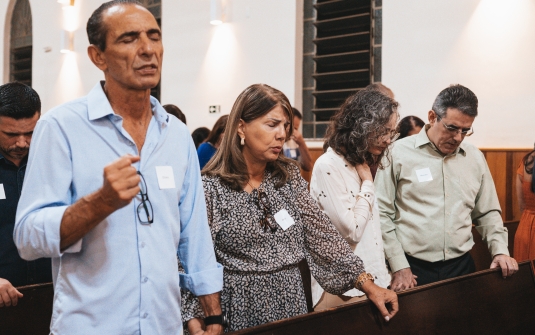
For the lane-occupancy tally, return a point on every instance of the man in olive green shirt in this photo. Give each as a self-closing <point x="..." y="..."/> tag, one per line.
<point x="431" y="191"/>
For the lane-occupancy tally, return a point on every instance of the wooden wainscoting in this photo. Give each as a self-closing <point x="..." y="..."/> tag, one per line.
<point x="502" y="164"/>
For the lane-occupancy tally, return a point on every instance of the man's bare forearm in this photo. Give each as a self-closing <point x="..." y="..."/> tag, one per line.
<point x="121" y="184"/>
<point x="211" y="304"/>
<point x="81" y="217"/>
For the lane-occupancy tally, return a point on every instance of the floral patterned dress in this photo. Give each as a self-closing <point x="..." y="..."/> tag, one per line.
<point x="262" y="282"/>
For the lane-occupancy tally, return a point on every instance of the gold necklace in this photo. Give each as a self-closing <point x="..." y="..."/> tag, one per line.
<point x="252" y="187"/>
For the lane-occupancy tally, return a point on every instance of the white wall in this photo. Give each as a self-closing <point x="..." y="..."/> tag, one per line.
<point x="486" y="45"/>
<point x="210" y="65"/>
<point x="203" y="64"/>
<point x="56" y="77"/>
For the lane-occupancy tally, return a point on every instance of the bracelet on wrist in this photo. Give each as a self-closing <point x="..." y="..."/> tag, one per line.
<point x="362" y="278"/>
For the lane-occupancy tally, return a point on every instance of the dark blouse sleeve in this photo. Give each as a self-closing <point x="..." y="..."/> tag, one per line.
<point x="191" y="307"/>
<point x="330" y="258"/>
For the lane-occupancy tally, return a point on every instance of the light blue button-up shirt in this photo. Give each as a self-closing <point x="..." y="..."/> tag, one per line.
<point x="122" y="277"/>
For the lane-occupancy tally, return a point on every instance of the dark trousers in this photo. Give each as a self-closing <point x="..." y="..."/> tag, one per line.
<point x="430" y="272"/>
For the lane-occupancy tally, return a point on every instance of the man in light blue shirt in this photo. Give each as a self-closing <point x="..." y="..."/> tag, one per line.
<point x="113" y="194"/>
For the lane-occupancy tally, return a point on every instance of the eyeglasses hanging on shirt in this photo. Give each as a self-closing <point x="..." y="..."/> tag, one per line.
<point x="144" y="209"/>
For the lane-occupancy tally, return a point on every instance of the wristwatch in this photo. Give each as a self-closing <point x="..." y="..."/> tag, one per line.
<point x="217" y="320"/>
<point x="364" y="277"/>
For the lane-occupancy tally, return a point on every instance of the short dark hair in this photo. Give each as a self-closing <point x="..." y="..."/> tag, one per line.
<point x="174" y="110"/>
<point x="199" y="135"/>
<point x="361" y="118"/>
<point x="297" y="113"/>
<point x="458" y="97"/>
<point x="19" y="101"/>
<point x="407" y="124"/>
<point x="96" y="29"/>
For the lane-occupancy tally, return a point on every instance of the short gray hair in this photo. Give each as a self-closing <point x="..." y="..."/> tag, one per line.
<point x="458" y="97"/>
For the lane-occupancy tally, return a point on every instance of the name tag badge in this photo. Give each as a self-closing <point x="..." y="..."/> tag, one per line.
<point x="293" y="154"/>
<point x="424" y="175"/>
<point x="2" y="192"/>
<point x="166" y="178"/>
<point x="284" y="219"/>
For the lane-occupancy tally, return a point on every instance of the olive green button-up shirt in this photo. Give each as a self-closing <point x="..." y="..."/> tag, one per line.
<point x="428" y="201"/>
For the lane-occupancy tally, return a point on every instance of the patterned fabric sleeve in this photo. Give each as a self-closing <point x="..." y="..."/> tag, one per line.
<point x="331" y="260"/>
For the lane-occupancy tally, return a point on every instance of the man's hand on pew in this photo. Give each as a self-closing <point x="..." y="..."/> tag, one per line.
<point x="403" y="279"/>
<point x="382" y="297"/>
<point x="9" y="296"/>
<point x="508" y="265"/>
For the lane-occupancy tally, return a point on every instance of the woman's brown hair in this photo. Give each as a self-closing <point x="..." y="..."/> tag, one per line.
<point x="359" y="121"/>
<point x="228" y="162"/>
<point x="218" y="129"/>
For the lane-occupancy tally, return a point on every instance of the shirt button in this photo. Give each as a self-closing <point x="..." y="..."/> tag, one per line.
<point x="142" y="244"/>
<point x="145" y="279"/>
<point x="447" y="251"/>
<point x="145" y="315"/>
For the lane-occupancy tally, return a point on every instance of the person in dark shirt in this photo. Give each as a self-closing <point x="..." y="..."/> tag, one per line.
<point x="199" y="135"/>
<point x="20" y="108"/>
<point x="206" y="150"/>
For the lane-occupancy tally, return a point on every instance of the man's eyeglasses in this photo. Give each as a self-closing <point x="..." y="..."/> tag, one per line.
<point x="263" y="202"/>
<point x="144" y="209"/>
<point x="456" y="130"/>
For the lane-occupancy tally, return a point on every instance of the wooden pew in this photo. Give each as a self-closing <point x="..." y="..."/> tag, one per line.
<point x="32" y="314"/>
<point x="479" y="303"/>
<point x="480" y="251"/>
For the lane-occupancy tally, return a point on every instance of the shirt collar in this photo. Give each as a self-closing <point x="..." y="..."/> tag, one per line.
<point x="422" y="139"/>
<point x="99" y="106"/>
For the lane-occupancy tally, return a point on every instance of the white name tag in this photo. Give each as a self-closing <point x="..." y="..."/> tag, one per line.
<point x="424" y="175"/>
<point x="284" y="219"/>
<point x="2" y="192"/>
<point x="166" y="178"/>
<point x="293" y="153"/>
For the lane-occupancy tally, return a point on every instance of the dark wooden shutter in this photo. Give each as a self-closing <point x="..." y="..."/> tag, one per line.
<point x="21" y="43"/>
<point x="338" y="57"/>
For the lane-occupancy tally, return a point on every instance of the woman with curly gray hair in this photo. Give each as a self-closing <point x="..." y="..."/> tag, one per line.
<point x="342" y="184"/>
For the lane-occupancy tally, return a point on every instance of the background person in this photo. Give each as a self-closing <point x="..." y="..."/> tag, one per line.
<point x="342" y="184"/>
<point x="410" y="125"/>
<point x="20" y="108"/>
<point x="525" y="233"/>
<point x="174" y="110"/>
<point x="206" y="150"/>
<point x="264" y="221"/>
<point x="295" y="148"/>
<point x="200" y="135"/>
<point x="114" y="236"/>
<point x="435" y="187"/>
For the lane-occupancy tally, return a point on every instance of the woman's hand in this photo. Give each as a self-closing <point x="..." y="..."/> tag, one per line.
<point x="364" y="172"/>
<point x="381" y="297"/>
